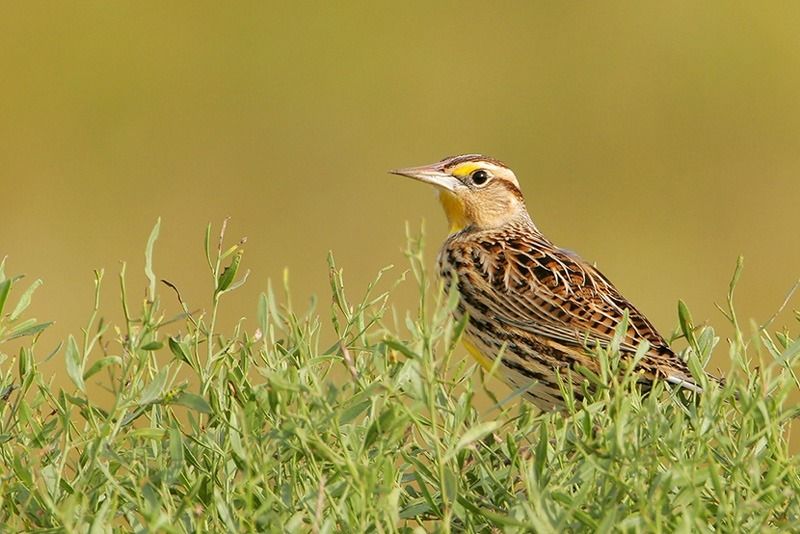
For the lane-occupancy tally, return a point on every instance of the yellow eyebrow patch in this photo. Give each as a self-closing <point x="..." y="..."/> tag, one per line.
<point x="465" y="168"/>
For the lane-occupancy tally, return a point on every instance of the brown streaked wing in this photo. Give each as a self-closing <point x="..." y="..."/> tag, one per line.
<point x="530" y="284"/>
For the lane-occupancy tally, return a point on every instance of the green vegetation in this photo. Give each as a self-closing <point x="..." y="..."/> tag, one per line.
<point x="267" y="428"/>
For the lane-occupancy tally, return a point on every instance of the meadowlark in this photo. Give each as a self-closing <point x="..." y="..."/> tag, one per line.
<point x="542" y="308"/>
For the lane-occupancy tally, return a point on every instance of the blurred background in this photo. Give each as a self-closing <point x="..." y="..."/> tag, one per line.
<point x="661" y="140"/>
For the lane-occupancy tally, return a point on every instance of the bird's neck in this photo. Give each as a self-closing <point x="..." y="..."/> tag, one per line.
<point x="460" y="218"/>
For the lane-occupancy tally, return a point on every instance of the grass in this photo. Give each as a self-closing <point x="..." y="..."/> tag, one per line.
<point x="265" y="428"/>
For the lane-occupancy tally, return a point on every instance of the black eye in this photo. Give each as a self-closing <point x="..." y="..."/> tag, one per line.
<point x="480" y="177"/>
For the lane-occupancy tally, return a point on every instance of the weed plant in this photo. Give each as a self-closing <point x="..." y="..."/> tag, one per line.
<point x="267" y="428"/>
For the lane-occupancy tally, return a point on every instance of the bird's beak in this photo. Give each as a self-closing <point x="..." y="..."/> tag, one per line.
<point x="430" y="174"/>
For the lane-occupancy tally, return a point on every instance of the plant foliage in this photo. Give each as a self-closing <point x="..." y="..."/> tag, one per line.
<point x="270" y="427"/>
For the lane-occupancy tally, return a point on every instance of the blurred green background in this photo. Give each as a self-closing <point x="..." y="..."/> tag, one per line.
<point x="659" y="139"/>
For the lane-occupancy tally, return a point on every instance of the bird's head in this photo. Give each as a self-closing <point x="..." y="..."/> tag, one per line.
<point x="475" y="191"/>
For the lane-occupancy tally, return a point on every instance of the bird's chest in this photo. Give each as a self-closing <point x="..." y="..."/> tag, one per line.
<point x="445" y="267"/>
<point x="457" y="271"/>
<point x="462" y="270"/>
<point x="476" y="266"/>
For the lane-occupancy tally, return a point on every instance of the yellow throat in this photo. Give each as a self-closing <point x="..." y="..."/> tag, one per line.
<point x="454" y="209"/>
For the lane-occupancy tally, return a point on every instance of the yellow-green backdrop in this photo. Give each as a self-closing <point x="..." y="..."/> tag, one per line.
<point x="659" y="139"/>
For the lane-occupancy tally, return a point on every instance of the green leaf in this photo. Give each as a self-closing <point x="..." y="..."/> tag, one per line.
<point x="148" y="433"/>
<point x="195" y="402"/>
<point x="24" y="300"/>
<point x="50" y="478"/>
<point x="382" y="425"/>
<point x="154" y="389"/>
<point x="77" y="401"/>
<point x="75" y="364"/>
<point x="153" y="345"/>
<point x="449" y="484"/>
<point x="507" y="520"/>
<point x="540" y="459"/>
<point x="400" y="347"/>
<point x="101" y="364"/>
<point x="239" y="283"/>
<point x="236" y="440"/>
<point x="790" y="353"/>
<point x="31" y="330"/>
<point x="177" y="348"/>
<point x="176" y="459"/>
<point x="354" y="411"/>
<point x="102" y="518"/>
<point x="22" y="470"/>
<point x="224" y="512"/>
<point x="148" y="259"/>
<point x="207" y="247"/>
<point x="262" y="313"/>
<point x="24" y="362"/>
<point x="228" y="275"/>
<point x="54" y="351"/>
<point x="5" y="287"/>
<point x="472" y="435"/>
<point x="687" y="326"/>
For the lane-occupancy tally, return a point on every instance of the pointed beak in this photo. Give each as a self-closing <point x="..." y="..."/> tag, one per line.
<point x="430" y="174"/>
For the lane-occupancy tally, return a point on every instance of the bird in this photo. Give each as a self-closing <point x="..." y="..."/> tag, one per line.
<point x="542" y="309"/>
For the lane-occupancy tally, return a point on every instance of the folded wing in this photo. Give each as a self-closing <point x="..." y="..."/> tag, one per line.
<point x="531" y="285"/>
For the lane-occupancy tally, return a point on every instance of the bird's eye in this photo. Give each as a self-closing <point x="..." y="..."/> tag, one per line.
<point x="480" y="177"/>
